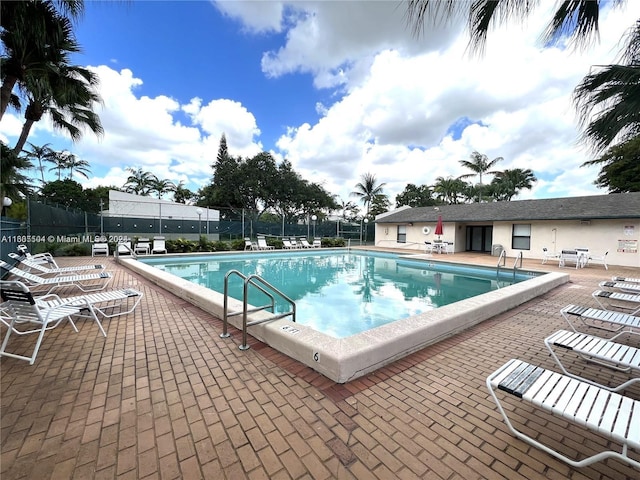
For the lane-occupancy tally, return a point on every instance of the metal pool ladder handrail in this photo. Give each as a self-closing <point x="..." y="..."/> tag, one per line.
<point x="515" y="263"/>
<point x="266" y="288"/>
<point x="502" y="258"/>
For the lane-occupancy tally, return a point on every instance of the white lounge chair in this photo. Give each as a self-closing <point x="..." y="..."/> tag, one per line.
<point x="250" y="245"/>
<point x="547" y="255"/>
<point x="109" y="304"/>
<point x="305" y="243"/>
<point x="143" y="246"/>
<point x="159" y="245"/>
<point x="626" y="287"/>
<point x="53" y="268"/>
<point x="123" y="248"/>
<point x="600" y="258"/>
<point x="607" y="413"/>
<point x="317" y="243"/>
<point x="262" y="244"/>
<point x="428" y="247"/>
<point x="605" y="320"/>
<point x="100" y="247"/>
<point x="87" y="283"/>
<point x="626" y="279"/>
<point x="42" y="258"/>
<point x="286" y="244"/>
<point x="294" y="243"/>
<point x="598" y="350"/>
<point x="20" y="309"/>
<point x="630" y="301"/>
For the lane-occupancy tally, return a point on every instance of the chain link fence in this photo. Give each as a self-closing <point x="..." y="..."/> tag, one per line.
<point x="67" y="231"/>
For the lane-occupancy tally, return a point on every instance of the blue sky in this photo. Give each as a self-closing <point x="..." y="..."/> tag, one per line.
<point x="338" y="88"/>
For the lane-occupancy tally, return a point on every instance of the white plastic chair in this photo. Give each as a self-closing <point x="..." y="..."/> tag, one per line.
<point x="143" y="246"/>
<point x="262" y="244"/>
<point x="100" y="247"/>
<point x="20" y="309"/>
<point x="249" y="245"/>
<point x="158" y="245"/>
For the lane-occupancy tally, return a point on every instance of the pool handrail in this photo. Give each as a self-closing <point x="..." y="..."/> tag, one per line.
<point x="254" y="280"/>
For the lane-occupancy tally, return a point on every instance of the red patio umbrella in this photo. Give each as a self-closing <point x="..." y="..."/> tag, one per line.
<point x="439" y="227"/>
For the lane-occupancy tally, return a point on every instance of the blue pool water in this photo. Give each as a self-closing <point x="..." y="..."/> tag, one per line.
<point x="342" y="293"/>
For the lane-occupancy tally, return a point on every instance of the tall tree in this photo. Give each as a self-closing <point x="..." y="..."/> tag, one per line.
<point x="68" y="99"/>
<point x="449" y="190"/>
<point x="379" y="204"/>
<point x="367" y="189"/>
<point x="620" y="171"/>
<point x="415" y="196"/>
<point x="139" y="182"/>
<point x="161" y="187"/>
<point x="31" y="34"/>
<point x="608" y="99"/>
<point x="60" y="162"/>
<point x="13" y="181"/>
<point x="42" y="154"/>
<point x="510" y="182"/>
<point x="348" y="210"/>
<point x="182" y="194"/>
<point x="78" y="165"/>
<point x="479" y="164"/>
<point x="222" y="191"/>
<point x="67" y="193"/>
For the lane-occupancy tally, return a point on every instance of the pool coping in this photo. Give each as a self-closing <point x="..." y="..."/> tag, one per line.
<point x="345" y="359"/>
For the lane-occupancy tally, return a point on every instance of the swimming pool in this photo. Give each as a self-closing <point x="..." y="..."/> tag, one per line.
<point x="344" y="359"/>
<point x="343" y="293"/>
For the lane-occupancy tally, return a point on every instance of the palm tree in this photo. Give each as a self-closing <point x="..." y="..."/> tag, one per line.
<point x="80" y="166"/>
<point x="182" y="194"/>
<point x="29" y="30"/>
<point x="139" y="182"/>
<point x="162" y="186"/>
<point x="507" y="184"/>
<point x="576" y="19"/>
<point x="449" y="190"/>
<point x="60" y="161"/>
<point x="43" y="154"/>
<point x="67" y="93"/>
<point x="68" y="99"/>
<point x="479" y="164"/>
<point x="367" y="189"/>
<point x="613" y="92"/>
<point x="348" y="209"/>
<point x="13" y="183"/>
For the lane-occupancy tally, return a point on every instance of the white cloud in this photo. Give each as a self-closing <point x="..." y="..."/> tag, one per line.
<point x="520" y="92"/>
<point x="395" y="99"/>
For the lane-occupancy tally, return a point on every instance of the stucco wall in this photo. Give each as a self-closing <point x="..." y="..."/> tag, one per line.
<point x="599" y="236"/>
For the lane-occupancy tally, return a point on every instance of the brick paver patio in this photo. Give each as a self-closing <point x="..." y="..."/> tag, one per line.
<point x="163" y="397"/>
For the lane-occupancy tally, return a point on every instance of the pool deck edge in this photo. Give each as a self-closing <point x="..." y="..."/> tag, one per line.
<point x="343" y="360"/>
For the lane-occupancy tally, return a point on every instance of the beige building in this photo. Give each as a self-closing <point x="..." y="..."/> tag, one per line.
<point x="603" y="223"/>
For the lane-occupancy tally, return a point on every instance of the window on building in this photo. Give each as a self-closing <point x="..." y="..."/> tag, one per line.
<point x="402" y="234"/>
<point x="521" y="238"/>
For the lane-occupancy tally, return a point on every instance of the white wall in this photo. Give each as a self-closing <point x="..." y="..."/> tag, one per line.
<point x="123" y="204"/>
<point x="599" y="236"/>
